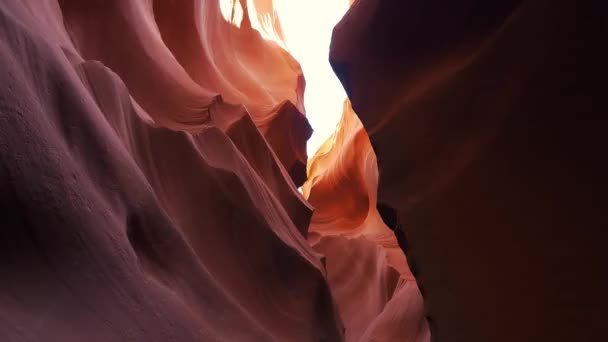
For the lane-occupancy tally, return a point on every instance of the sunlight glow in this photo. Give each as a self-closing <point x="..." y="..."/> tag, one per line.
<point x="232" y="11"/>
<point x="307" y="26"/>
<point x="306" y="29"/>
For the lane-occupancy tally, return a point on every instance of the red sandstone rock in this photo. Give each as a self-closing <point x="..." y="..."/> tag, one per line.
<point x="176" y="57"/>
<point x="149" y="164"/>
<point x="489" y="121"/>
<point x="367" y="271"/>
<point x="138" y="204"/>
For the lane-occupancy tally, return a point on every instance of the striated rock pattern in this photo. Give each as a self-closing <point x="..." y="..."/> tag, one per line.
<point x="151" y="150"/>
<point x="145" y="188"/>
<point x="368" y="274"/>
<point x="489" y="122"/>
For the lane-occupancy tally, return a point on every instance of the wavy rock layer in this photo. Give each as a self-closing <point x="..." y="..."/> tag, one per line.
<point x="368" y="274"/>
<point x="145" y="155"/>
<point x="488" y="119"/>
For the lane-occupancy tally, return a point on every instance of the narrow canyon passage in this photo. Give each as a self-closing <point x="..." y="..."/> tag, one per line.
<point x="303" y="170"/>
<point x="152" y="153"/>
<point x="375" y="292"/>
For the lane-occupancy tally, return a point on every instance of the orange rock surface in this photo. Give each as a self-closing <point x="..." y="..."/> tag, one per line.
<point x="375" y="291"/>
<point x="151" y="152"/>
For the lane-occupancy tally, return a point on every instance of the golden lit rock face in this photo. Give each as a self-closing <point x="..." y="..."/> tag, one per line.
<point x="337" y="184"/>
<point x="367" y="270"/>
<point x="342" y="187"/>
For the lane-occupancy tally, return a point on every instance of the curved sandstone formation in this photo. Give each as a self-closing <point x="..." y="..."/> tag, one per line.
<point x="140" y="200"/>
<point x="489" y="123"/>
<point x="177" y="57"/>
<point x="361" y="253"/>
<point x="151" y="150"/>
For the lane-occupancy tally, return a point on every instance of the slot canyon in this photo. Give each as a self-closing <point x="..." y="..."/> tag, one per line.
<point x="156" y="184"/>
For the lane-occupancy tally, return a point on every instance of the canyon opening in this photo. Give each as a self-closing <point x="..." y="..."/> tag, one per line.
<point x="319" y="170"/>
